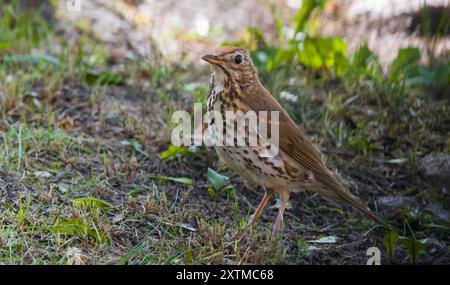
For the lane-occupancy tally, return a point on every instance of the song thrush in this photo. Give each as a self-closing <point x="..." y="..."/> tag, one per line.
<point x="297" y="166"/>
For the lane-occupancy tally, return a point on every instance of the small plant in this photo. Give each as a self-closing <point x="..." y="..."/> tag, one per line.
<point x="24" y="210"/>
<point x="220" y="184"/>
<point x="390" y="242"/>
<point x="178" y="151"/>
<point x="414" y="247"/>
<point x="87" y="224"/>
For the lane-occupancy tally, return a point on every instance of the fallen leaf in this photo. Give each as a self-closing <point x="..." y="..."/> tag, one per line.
<point x="42" y="174"/>
<point x="218" y="181"/>
<point x="327" y="239"/>
<point x="182" y="180"/>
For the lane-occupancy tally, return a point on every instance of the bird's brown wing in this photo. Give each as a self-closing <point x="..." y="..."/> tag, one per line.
<point x="292" y="141"/>
<point x="295" y="144"/>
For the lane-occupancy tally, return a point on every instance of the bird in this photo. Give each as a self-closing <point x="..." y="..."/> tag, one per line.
<point x="298" y="164"/>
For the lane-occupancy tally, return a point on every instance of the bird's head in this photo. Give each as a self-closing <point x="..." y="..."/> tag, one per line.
<point x="232" y="63"/>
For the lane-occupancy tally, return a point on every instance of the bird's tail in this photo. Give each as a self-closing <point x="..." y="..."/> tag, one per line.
<point x="328" y="181"/>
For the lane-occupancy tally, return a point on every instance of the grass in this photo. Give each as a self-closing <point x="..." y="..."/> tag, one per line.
<point x="80" y="148"/>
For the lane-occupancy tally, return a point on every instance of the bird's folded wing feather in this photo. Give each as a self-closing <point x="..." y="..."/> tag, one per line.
<point x="292" y="141"/>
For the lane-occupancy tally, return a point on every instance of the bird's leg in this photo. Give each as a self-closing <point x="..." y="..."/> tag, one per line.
<point x="284" y="195"/>
<point x="261" y="206"/>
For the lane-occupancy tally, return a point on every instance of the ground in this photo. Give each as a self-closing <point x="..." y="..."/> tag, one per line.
<point x="71" y="132"/>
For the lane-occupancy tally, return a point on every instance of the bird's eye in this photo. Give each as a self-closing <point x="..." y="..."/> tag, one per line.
<point x="238" y="59"/>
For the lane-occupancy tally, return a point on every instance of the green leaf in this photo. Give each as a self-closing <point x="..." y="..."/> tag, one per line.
<point x="72" y="226"/>
<point x="304" y="13"/>
<point x="217" y="180"/>
<point x="310" y="55"/>
<point x="263" y="56"/>
<point x="258" y="36"/>
<point x="413" y="247"/>
<point x="30" y="58"/>
<point x="212" y="192"/>
<point x="90" y="203"/>
<point x="339" y="45"/>
<point x="177" y="151"/>
<point x="360" y="144"/>
<point x="390" y="242"/>
<point x="362" y="56"/>
<point x="79" y="228"/>
<point x="340" y="64"/>
<point x="279" y="27"/>
<point x="278" y="56"/>
<point x="106" y="77"/>
<point x="182" y="180"/>
<point x="5" y="41"/>
<point x="405" y="60"/>
<point x="324" y="53"/>
<point x="436" y="76"/>
<point x="188" y="259"/>
<point x="327" y="239"/>
<point x="134" y="192"/>
<point x="136" y="146"/>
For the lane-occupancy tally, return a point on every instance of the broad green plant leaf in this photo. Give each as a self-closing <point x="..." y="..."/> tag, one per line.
<point x="406" y="59"/>
<point x="362" y="56"/>
<point x="79" y="228"/>
<point x="217" y="180"/>
<point x="413" y="247"/>
<point x="90" y="203"/>
<point x="304" y="13"/>
<point x="390" y="242"/>
<point x="324" y="53"/>
<point x="177" y="151"/>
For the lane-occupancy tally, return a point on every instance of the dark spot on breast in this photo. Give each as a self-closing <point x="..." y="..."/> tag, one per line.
<point x="278" y="169"/>
<point x="246" y="159"/>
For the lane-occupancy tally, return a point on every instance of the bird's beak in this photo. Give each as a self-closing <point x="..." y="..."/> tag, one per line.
<point x="211" y="58"/>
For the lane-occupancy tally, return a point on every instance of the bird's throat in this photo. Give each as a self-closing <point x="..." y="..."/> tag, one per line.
<point x="220" y="78"/>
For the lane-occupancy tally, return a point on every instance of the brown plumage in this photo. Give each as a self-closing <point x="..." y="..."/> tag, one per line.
<point x="298" y="164"/>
